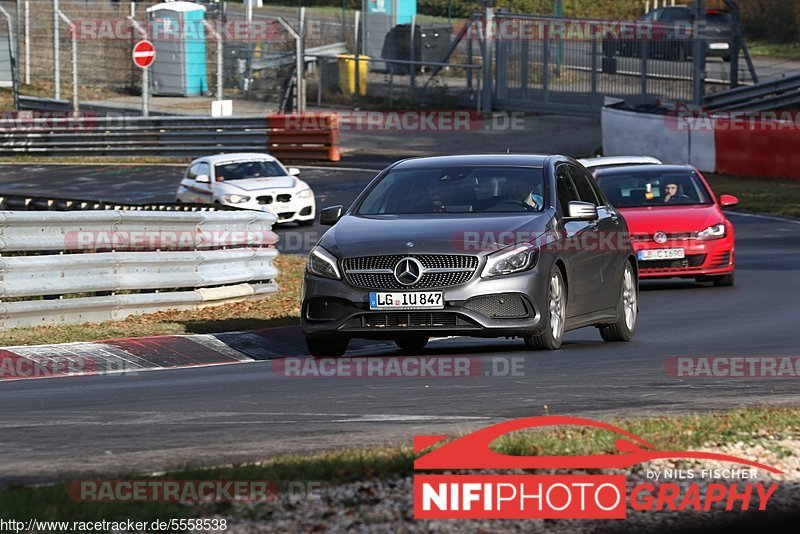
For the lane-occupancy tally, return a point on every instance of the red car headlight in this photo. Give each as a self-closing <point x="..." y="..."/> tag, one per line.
<point x="717" y="231"/>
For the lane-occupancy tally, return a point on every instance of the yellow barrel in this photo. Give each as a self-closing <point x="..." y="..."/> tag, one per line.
<point x="347" y="73"/>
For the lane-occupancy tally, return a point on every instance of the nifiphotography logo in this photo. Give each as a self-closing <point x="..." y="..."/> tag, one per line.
<point x="570" y="496"/>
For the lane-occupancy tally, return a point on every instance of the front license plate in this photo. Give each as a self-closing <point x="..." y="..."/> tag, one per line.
<point x="405" y="300"/>
<point x="662" y="254"/>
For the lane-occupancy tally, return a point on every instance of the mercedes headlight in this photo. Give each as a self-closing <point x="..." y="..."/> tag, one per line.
<point x="305" y="193"/>
<point x="236" y="199"/>
<point x="510" y="260"/>
<point x="712" y="232"/>
<point x="323" y="263"/>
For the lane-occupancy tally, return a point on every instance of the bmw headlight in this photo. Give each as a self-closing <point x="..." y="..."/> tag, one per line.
<point x="712" y="232"/>
<point x="510" y="260"/>
<point x="305" y="193"/>
<point x="236" y="199"/>
<point x="323" y="263"/>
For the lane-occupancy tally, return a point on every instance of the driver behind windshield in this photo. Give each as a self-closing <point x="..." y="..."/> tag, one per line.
<point x="673" y="193"/>
<point x="524" y="191"/>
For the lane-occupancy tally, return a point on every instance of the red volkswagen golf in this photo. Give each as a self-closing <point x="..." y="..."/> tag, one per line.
<point x="676" y="223"/>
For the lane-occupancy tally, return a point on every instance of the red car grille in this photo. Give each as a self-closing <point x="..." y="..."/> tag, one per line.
<point x="692" y="261"/>
<point x="720" y="259"/>
<point x="648" y="238"/>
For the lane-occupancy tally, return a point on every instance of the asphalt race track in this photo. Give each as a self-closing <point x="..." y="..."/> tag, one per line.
<point x="147" y="184"/>
<point x="55" y="428"/>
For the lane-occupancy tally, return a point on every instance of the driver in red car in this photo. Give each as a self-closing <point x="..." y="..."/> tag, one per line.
<point x="673" y="193"/>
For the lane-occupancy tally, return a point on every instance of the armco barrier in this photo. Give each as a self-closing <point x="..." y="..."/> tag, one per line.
<point x="310" y="136"/>
<point x="89" y="135"/>
<point x="22" y="202"/>
<point x="68" y="267"/>
<point x="307" y="136"/>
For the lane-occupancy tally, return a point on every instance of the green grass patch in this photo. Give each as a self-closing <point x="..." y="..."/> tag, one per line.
<point x="789" y="50"/>
<point x="776" y="196"/>
<point x="665" y="432"/>
<point x="280" y="309"/>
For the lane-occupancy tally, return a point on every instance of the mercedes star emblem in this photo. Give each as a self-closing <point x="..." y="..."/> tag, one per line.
<point x="408" y="271"/>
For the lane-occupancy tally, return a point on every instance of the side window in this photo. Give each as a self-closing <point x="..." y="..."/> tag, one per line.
<point x="193" y="171"/>
<point x="204" y="168"/>
<point x="565" y="188"/>
<point x="583" y="185"/>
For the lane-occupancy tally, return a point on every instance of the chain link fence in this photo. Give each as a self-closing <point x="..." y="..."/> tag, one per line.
<point x="538" y="63"/>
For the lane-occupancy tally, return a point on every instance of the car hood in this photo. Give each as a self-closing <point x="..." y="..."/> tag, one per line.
<point x="671" y="219"/>
<point x="254" y="184"/>
<point x="356" y="236"/>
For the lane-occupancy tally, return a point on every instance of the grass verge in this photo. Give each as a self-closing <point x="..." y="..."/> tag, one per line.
<point x="775" y="196"/>
<point x="665" y="432"/>
<point x="279" y="309"/>
<point x="776" y="50"/>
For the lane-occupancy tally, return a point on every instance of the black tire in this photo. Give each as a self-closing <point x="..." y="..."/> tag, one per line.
<point x="625" y="327"/>
<point x="327" y="346"/>
<point x="725" y="280"/>
<point x="553" y="334"/>
<point x="412" y="343"/>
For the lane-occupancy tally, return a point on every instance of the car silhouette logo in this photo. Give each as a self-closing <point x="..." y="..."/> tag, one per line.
<point x="408" y="271"/>
<point x="660" y="237"/>
<point x="473" y="450"/>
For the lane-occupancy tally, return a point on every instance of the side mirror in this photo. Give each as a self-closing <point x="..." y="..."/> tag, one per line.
<point x="202" y="179"/>
<point x="728" y="200"/>
<point x="581" y="211"/>
<point x="293" y="171"/>
<point x="329" y="216"/>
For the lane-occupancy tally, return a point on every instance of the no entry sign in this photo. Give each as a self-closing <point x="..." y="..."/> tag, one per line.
<point x="144" y="53"/>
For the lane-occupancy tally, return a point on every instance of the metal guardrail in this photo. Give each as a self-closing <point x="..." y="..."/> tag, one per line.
<point x="77" y="266"/>
<point x="35" y="103"/>
<point x="762" y="96"/>
<point x="123" y="136"/>
<point x="27" y="202"/>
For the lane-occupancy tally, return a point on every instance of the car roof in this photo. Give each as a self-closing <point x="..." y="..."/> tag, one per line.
<point x="526" y="160"/>
<point x="590" y="163"/>
<point x="644" y="169"/>
<point x="236" y="156"/>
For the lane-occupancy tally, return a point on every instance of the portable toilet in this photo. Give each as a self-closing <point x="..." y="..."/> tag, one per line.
<point x="177" y="32"/>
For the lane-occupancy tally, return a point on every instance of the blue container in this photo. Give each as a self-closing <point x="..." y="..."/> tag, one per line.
<point x="177" y="32"/>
